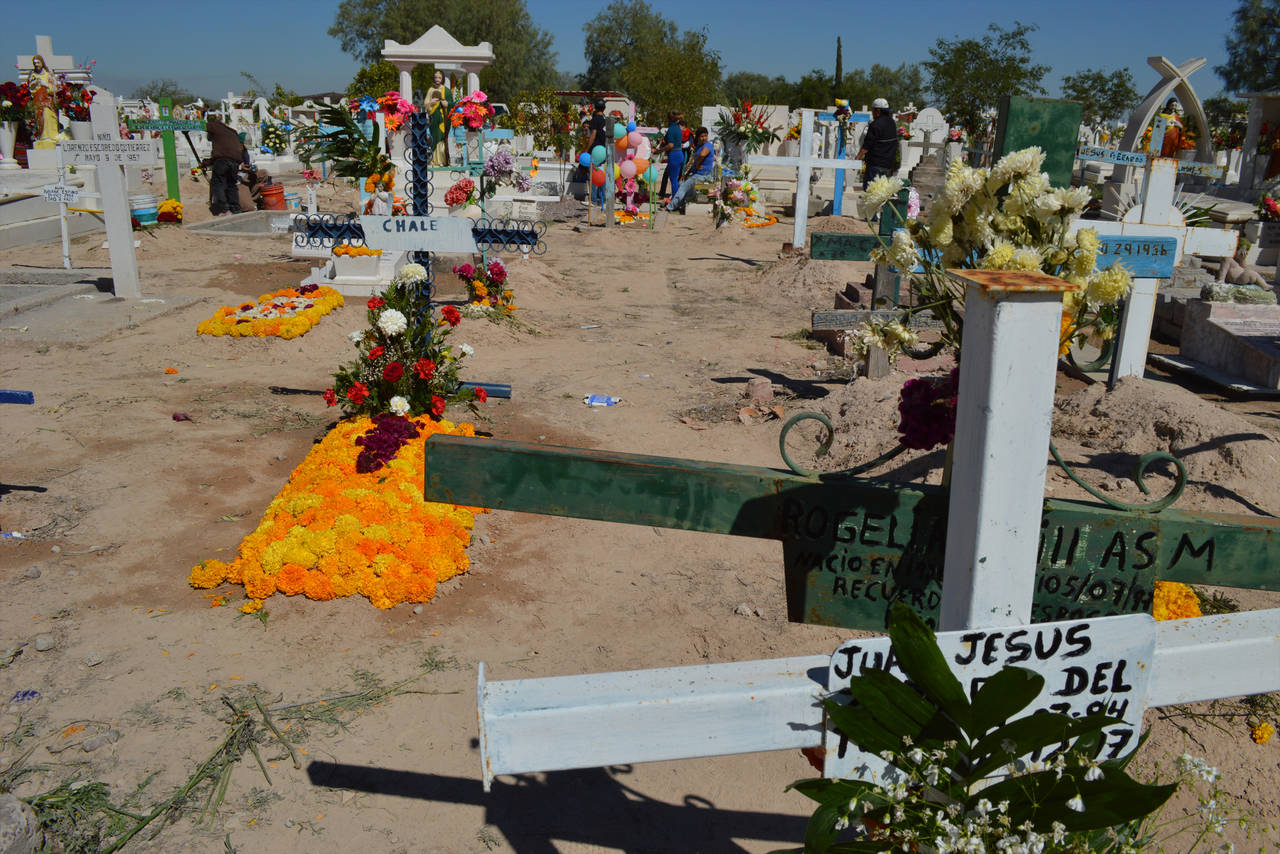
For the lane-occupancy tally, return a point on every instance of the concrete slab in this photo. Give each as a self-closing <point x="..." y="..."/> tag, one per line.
<point x="1237" y="339"/>
<point x="1227" y="382"/>
<point x="83" y="317"/>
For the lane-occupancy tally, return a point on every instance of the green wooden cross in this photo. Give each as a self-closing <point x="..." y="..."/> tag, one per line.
<point x="168" y="124"/>
<point x="853" y="546"/>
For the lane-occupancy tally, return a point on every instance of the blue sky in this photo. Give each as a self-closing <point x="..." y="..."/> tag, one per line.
<point x="205" y="46"/>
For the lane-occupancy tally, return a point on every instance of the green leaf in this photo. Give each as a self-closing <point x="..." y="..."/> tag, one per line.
<point x="825" y="790"/>
<point x="1004" y="695"/>
<point x="1114" y="800"/>
<point x="918" y="654"/>
<point x="861" y="727"/>
<point x="821" y="831"/>
<point x="904" y="700"/>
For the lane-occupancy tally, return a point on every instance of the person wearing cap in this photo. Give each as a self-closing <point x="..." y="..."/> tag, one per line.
<point x="879" y="152"/>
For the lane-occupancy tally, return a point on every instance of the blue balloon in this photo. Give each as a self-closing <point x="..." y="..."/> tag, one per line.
<point x="584" y="159"/>
<point x="631" y="126"/>
<point x="597" y="155"/>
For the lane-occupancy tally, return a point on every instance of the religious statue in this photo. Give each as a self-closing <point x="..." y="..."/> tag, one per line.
<point x="439" y="102"/>
<point x="44" y="91"/>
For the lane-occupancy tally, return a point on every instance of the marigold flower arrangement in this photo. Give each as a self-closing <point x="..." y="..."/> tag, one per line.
<point x="341" y="529"/>
<point x="405" y="364"/>
<point x="349" y="251"/>
<point x="1007" y="217"/>
<point x="286" y="313"/>
<point x="471" y="111"/>
<point x="170" y="210"/>
<point x="487" y="288"/>
<point x="745" y="125"/>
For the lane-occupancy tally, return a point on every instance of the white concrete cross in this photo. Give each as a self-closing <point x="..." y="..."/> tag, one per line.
<point x="55" y="63"/>
<point x="1155" y="215"/>
<point x="928" y="133"/>
<point x="804" y="163"/>
<point x="1001" y="443"/>
<point x="115" y="202"/>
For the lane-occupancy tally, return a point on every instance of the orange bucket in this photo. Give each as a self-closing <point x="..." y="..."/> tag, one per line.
<point x="273" y="197"/>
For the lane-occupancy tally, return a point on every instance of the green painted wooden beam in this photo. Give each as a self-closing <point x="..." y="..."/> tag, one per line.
<point x="852" y="546"/>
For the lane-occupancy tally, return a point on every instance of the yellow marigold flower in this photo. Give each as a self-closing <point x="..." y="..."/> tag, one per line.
<point x="208" y="573"/>
<point x="1067" y="329"/>
<point x="1174" y="601"/>
<point x="1262" y="733"/>
<point x="251" y="606"/>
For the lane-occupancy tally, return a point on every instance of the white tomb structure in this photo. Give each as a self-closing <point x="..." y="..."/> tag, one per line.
<point x="929" y="132"/>
<point x="1173" y="82"/>
<point x="436" y="47"/>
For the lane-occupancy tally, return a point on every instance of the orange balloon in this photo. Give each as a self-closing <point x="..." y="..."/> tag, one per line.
<point x="621" y="143"/>
<point x="641" y="164"/>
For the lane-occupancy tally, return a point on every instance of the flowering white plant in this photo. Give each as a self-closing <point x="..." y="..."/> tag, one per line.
<point x="392" y="322"/>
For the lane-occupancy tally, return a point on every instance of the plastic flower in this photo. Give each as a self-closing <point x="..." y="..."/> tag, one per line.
<point x="398" y="405"/>
<point x="392" y="322"/>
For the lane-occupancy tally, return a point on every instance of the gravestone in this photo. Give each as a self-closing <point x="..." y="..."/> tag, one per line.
<point x="1049" y="123"/>
<point x="1238" y="339"/>
<point x="928" y="136"/>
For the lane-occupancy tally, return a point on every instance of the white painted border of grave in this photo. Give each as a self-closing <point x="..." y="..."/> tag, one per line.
<point x="600" y="719"/>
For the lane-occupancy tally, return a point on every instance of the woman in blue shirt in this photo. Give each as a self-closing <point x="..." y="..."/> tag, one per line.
<point x="671" y="146"/>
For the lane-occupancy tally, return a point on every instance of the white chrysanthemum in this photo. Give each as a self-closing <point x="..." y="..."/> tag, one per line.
<point x="877" y="193"/>
<point x="392" y="322"/>
<point x="355" y="337"/>
<point x="467" y="349"/>
<point x="999" y="256"/>
<point x="398" y="405"/>
<point x="963" y="182"/>
<point x="410" y="273"/>
<point x="901" y="253"/>
<point x="1085" y="254"/>
<point x="1026" y="258"/>
<point x="1018" y="164"/>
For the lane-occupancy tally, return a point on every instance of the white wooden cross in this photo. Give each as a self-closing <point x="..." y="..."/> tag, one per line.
<point x="1002" y="436"/>
<point x="1155" y="215"/>
<point x="59" y="65"/>
<point x="804" y="163"/>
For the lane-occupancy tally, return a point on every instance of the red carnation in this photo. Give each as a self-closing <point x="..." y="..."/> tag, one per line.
<point x="330" y="397"/>
<point x="393" y="372"/>
<point x="437" y="405"/>
<point x="358" y="393"/>
<point x="376" y="303"/>
<point x="376" y="352"/>
<point x="451" y="314"/>
<point x="481" y="394"/>
<point x="424" y="368"/>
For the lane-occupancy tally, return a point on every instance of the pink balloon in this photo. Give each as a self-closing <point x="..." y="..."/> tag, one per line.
<point x="635" y="138"/>
<point x="627" y="168"/>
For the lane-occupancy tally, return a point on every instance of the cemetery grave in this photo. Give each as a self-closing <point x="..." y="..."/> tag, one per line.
<point x="563" y="595"/>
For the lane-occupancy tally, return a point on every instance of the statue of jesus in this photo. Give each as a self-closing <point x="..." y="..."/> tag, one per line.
<point x="44" y="90"/>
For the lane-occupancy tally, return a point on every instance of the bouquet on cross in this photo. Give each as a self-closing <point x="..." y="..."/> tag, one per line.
<point x="405" y="364"/>
<point x="74" y="100"/>
<point x="275" y="137"/>
<point x="472" y="111"/>
<point x="463" y="192"/>
<point x="397" y="109"/>
<point x="745" y="125"/>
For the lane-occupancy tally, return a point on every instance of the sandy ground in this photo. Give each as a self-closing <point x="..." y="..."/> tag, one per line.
<point x="121" y="501"/>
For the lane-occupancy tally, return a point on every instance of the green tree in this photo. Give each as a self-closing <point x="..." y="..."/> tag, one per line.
<point x="382" y="76"/>
<point x="970" y="76"/>
<point x="1221" y="110"/>
<point x="1252" y="48"/>
<point x="1102" y="97"/>
<point x="899" y="86"/>
<point x="163" y="87"/>
<point x="523" y="58"/>
<point x="814" y="90"/>
<point x="839" y="64"/>
<point x="633" y="49"/>
<point x="741" y="85"/>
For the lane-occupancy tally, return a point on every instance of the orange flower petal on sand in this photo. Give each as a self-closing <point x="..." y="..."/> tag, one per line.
<point x="332" y="532"/>
<point x="1175" y="601"/>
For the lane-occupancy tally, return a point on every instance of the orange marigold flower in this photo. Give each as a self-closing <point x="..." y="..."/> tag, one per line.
<point x="1174" y="601"/>
<point x="291" y="580"/>
<point x="208" y="573"/>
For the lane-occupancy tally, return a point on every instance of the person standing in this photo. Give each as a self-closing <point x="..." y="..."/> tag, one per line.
<point x="879" y="152"/>
<point x="596" y="136"/>
<point x="227" y="155"/>
<point x="704" y="163"/>
<point x="672" y="143"/>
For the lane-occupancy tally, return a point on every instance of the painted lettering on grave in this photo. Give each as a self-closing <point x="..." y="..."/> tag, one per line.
<point x="166" y="124"/>
<point x="851" y="547"/>
<point x="60" y="193"/>
<point x="1111" y="155"/>
<point x="837" y="246"/>
<point x="109" y="152"/>
<point x="419" y="233"/>
<point x="1090" y="667"/>
<point x="1143" y="257"/>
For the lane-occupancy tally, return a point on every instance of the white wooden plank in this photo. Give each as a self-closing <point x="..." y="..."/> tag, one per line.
<point x="1130" y="359"/>
<point x="1001" y="447"/>
<point x="588" y="721"/>
<point x="799" y="231"/>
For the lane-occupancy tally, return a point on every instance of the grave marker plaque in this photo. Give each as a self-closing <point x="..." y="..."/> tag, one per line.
<point x="1143" y="257"/>
<point x="837" y="246"/>
<point x="1051" y="124"/>
<point x="1090" y="667"/>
